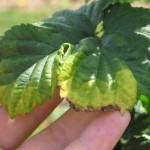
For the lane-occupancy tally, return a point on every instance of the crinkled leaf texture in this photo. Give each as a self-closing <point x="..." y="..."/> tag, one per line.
<point x="92" y="78"/>
<point x="112" y="69"/>
<point x="26" y="64"/>
<point x="134" y="38"/>
<point x="27" y="51"/>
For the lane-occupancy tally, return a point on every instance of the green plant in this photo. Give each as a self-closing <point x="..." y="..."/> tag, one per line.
<point x="103" y="63"/>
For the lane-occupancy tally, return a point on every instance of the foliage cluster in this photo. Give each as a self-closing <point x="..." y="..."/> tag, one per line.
<point x="102" y="48"/>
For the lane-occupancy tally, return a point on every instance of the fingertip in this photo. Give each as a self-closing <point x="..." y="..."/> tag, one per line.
<point x="105" y="131"/>
<point x="125" y="117"/>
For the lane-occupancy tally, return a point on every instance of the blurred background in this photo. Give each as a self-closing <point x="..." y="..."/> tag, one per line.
<point x="14" y="12"/>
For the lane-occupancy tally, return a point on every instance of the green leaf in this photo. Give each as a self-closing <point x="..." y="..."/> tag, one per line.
<point x="26" y="44"/>
<point x="146" y="103"/>
<point x="96" y="9"/>
<point x="112" y="71"/>
<point x="120" y="17"/>
<point x="100" y="68"/>
<point x="91" y="78"/>
<point x="134" y="38"/>
<point x="36" y="39"/>
<point x="72" y="18"/>
<point x="30" y="88"/>
<point x="27" y="53"/>
<point x="84" y="19"/>
<point x="137" y="126"/>
<point x="138" y="144"/>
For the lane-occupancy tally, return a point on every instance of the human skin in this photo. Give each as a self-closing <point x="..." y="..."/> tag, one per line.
<point x="72" y="131"/>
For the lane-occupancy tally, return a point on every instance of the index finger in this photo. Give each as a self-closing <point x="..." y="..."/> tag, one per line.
<point x="103" y="133"/>
<point x="14" y="132"/>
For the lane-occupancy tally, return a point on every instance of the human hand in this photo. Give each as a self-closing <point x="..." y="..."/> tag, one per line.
<point x="72" y="131"/>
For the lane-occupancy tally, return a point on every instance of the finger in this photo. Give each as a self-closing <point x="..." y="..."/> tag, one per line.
<point x="103" y="133"/>
<point x="14" y="132"/>
<point x="62" y="132"/>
